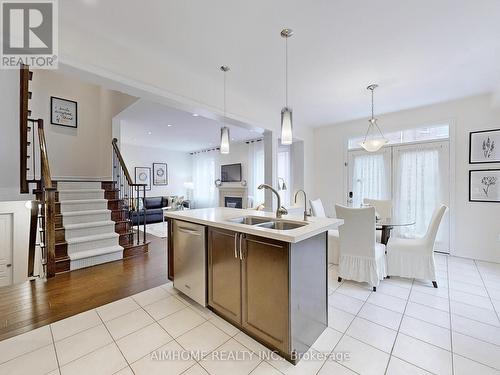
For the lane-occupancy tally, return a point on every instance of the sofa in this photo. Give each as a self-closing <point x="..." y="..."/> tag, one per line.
<point x="153" y="208"/>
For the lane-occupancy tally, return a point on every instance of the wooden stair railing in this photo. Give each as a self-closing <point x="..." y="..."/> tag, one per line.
<point x="23" y="127"/>
<point x="32" y="142"/>
<point x="131" y="194"/>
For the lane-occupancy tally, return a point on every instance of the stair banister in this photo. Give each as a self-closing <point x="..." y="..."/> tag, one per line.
<point x="50" y="203"/>
<point x="129" y="192"/>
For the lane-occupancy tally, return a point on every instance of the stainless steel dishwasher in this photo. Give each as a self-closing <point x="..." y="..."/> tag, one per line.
<point x="190" y="260"/>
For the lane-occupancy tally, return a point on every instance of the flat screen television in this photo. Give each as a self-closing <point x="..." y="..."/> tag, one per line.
<point x="230" y="173"/>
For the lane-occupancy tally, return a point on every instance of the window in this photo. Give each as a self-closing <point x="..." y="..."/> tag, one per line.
<point x="371" y="175"/>
<point x="284" y="175"/>
<point x="413" y="171"/>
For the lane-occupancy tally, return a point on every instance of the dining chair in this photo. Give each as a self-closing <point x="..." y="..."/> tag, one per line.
<point x="383" y="207"/>
<point x="318" y="210"/>
<point x="362" y="259"/>
<point x="414" y="258"/>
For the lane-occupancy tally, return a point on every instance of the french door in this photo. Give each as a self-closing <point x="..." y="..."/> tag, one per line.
<point x="414" y="176"/>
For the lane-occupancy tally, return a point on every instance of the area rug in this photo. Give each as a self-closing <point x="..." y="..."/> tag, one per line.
<point x="157" y="229"/>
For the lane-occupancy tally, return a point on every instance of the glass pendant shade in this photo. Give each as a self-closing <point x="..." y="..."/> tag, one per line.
<point x="224" y="140"/>
<point x="286" y="127"/>
<point x="373" y="141"/>
<point x="286" y="113"/>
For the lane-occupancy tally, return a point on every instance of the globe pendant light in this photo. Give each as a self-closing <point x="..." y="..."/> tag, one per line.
<point x="373" y="141"/>
<point x="286" y="113"/>
<point x="224" y="131"/>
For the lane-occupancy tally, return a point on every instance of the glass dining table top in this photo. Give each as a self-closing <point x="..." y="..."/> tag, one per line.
<point x="391" y="222"/>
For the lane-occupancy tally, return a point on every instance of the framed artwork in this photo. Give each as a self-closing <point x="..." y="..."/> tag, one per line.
<point x="63" y="112"/>
<point x="143" y="176"/>
<point x="160" y="174"/>
<point x="484" y="146"/>
<point x="484" y="185"/>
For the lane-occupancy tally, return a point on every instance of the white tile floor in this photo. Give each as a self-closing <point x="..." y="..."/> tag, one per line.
<point x="406" y="327"/>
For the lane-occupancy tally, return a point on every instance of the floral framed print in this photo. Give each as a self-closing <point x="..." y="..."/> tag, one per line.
<point x="484" y="185"/>
<point x="160" y="174"/>
<point x="484" y="146"/>
<point x="63" y="112"/>
<point x="143" y="176"/>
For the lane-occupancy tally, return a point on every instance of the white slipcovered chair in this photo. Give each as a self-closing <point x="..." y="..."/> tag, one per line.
<point x="361" y="257"/>
<point x="414" y="258"/>
<point x="333" y="234"/>
<point x="382" y="207"/>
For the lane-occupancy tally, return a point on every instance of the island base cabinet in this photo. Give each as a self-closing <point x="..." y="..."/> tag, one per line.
<point x="274" y="291"/>
<point x="224" y="274"/>
<point x="265" y="291"/>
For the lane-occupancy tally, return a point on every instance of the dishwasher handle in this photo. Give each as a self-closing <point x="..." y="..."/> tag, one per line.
<point x="189" y="231"/>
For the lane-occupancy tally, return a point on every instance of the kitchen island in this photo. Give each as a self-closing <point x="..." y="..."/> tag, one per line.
<point x="266" y="276"/>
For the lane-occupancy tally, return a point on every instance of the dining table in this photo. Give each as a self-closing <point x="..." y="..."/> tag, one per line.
<point x="388" y="224"/>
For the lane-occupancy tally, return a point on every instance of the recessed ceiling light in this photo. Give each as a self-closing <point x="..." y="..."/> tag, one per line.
<point x="149" y="133"/>
<point x="169" y="125"/>
<point x="195" y="115"/>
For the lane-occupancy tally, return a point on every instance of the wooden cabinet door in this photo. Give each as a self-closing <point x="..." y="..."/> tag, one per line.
<point x="265" y="290"/>
<point x="224" y="274"/>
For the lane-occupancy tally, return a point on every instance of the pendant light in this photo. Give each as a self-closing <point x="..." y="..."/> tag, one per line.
<point x="224" y="131"/>
<point x="286" y="113"/>
<point x="373" y="141"/>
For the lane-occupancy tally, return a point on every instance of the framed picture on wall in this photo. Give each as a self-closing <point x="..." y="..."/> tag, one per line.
<point x="160" y="174"/>
<point x="63" y="112"/>
<point x="484" y="185"/>
<point x="484" y="146"/>
<point x="143" y="176"/>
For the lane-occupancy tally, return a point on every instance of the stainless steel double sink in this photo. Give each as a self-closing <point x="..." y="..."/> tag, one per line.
<point x="266" y="222"/>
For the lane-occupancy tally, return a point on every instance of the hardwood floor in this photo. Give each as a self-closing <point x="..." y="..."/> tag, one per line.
<point x="33" y="304"/>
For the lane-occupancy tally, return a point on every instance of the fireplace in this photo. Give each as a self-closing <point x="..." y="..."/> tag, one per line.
<point x="233" y="196"/>
<point x="233" y="202"/>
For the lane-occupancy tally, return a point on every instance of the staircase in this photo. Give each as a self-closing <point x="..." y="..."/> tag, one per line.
<point x="75" y="224"/>
<point x="89" y="232"/>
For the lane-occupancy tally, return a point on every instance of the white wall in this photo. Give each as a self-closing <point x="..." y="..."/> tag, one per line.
<point x="83" y="152"/>
<point x="179" y="167"/>
<point x="475" y="226"/>
<point x="238" y="154"/>
<point x="9" y="141"/>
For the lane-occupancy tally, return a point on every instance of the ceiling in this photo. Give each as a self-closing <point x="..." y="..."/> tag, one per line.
<point x="419" y="51"/>
<point x="147" y="124"/>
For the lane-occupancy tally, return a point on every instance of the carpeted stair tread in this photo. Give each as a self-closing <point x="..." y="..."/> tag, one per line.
<point x="95" y="252"/>
<point x="93" y="224"/>
<point x="94" y="237"/>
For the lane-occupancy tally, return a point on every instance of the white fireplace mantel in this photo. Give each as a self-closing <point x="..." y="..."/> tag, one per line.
<point x="233" y="191"/>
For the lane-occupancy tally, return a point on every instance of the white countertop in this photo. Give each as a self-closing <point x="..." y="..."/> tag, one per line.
<point x="219" y="217"/>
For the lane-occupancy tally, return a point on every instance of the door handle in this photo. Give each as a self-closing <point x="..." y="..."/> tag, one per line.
<point x="241" y="249"/>
<point x="236" y="245"/>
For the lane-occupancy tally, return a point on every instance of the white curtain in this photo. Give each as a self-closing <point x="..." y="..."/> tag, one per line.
<point x="421" y="175"/>
<point x="204" y="176"/>
<point x="370" y="176"/>
<point x="283" y="171"/>
<point x="256" y="168"/>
